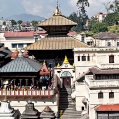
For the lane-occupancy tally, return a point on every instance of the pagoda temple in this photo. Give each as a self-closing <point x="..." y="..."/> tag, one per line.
<point x="57" y="44"/>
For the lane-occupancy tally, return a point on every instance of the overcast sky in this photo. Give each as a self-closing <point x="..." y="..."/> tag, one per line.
<point x="45" y="8"/>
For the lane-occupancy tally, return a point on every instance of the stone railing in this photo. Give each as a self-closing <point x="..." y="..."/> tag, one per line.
<point x="104" y="83"/>
<point x="109" y="66"/>
<point x="25" y="93"/>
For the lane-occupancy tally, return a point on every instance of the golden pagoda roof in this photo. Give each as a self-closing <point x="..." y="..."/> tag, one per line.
<point x="66" y="60"/>
<point x="56" y="43"/>
<point x="57" y="21"/>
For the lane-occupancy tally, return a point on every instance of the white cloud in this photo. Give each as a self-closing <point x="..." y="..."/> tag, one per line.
<point x="41" y="8"/>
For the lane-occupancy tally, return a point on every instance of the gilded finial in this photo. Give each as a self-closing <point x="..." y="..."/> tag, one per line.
<point x="58" y="65"/>
<point x="57" y="11"/>
<point x="73" y="65"/>
<point x="5" y="99"/>
<point x="66" y="60"/>
<point x="44" y="63"/>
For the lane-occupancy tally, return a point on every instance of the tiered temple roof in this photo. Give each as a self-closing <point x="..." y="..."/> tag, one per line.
<point x="56" y="43"/>
<point x="57" y="28"/>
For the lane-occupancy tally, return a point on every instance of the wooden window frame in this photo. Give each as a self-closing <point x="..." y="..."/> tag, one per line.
<point x="111" y="94"/>
<point x="83" y="58"/>
<point x="79" y="58"/>
<point x="111" y="58"/>
<point x="100" y="95"/>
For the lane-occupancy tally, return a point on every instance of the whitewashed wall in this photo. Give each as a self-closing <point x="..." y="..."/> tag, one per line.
<point x="98" y="57"/>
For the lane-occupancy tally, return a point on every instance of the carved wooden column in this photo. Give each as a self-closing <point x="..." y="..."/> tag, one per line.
<point x="20" y="81"/>
<point x="14" y="81"/>
<point x="26" y="82"/>
<point x="32" y="81"/>
<point x="1" y="82"/>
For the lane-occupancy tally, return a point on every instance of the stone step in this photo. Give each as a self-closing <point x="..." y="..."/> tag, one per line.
<point x="69" y="108"/>
<point x="71" y="116"/>
<point x="65" y="96"/>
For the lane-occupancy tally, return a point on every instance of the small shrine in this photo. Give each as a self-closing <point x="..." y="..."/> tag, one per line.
<point x="30" y="112"/>
<point x="66" y="73"/>
<point x="45" y="76"/>
<point x="47" y="113"/>
<point x="7" y="112"/>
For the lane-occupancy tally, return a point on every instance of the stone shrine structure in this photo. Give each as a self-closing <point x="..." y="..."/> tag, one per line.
<point x="7" y="112"/>
<point x="30" y="112"/>
<point x="47" y="113"/>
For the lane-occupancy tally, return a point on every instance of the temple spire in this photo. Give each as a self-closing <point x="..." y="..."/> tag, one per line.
<point x="44" y="63"/>
<point x="58" y="65"/>
<point x="57" y="11"/>
<point x="66" y="60"/>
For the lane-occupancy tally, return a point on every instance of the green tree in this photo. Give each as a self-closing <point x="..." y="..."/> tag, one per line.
<point x="13" y="22"/>
<point x="74" y="17"/>
<point x="82" y="4"/>
<point x="35" y="24"/>
<point x="4" y="23"/>
<point x="111" y="18"/>
<point x="99" y="27"/>
<point x="115" y="6"/>
<point x="19" y="21"/>
<point x="92" y="22"/>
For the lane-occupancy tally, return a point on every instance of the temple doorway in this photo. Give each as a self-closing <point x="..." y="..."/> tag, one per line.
<point x="67" y="82"/>
<point x="66" y="77"/>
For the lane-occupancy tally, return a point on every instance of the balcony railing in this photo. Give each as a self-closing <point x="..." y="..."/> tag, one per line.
<point x="109" y="65"/>
<point x="33" y="93"/>
<point x="108" y="83"/>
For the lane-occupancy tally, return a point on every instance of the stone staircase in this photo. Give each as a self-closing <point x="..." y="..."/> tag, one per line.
<point x="66" y="106"/>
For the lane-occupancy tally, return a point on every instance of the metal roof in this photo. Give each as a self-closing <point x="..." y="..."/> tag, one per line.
<point x="57" y="21"/>
<point x="56" y="43"/>
<point x="106" y="35"/>
<point x="21" y="64"/>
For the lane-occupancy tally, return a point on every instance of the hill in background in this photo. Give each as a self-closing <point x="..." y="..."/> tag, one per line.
<point x="25" y="17"/>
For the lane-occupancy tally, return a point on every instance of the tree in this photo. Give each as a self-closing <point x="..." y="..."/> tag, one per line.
<point x="107" y="6"/>
<point x="4" y="23"/>
<point x="99" y="27"/>
<point x="19" y="21"/>
<point x="13" y="22"/>
<point x="115" y="6"/>
<point x="82" y="4"/>
<point x="111" y="18"/>
<point x="74" y="17"/>
<point x="92" y="22"/>
<point x="35" y="24"/>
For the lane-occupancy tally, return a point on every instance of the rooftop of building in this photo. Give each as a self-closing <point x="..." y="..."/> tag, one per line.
<point x="21" y="64"/>
<point x="57" y="20"/>
<point x="107" y="107"/>
<point x="106" y="36"/>
<point x="56" y="43"/>
<point x="18" y="34"/>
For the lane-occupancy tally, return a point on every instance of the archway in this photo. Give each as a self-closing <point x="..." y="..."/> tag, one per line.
<point x="66" y="76"/>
